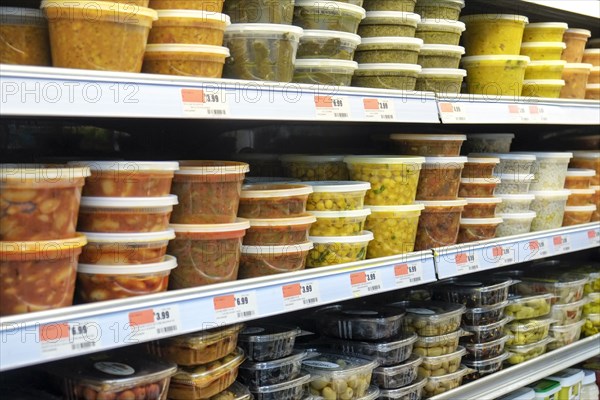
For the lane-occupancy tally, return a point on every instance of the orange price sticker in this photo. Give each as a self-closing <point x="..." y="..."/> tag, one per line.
<point x="534" y="245"/>
<point x="323" y="101"/>
<point x="192" y="95"/>
<point x="141" y="317"/>
<point x="497" y="251"/>
<point x="591" y="234"/>
<point x="54" y="332"/>
<point x="224" y="302"/>
<point x="371" y="104"/>
<point x="291" y="290"/>
<point x="461" y="258"/>
<point x="400" y="270"/>
<point x="357" y="278"/>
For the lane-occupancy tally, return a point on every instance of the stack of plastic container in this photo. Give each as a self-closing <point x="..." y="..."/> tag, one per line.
<point x="576" y="72"/>
<point x="125" y="212"/>
<point x="592" y="89"/>
<point x="25" y="33"/>
<point x="590" y="160"/>
<point x="591" y="311"/>
<point x="580" y="206"/>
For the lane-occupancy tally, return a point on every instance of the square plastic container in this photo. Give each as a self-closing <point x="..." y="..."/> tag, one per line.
<point x="331" y="250"/>
<point x="329" y="16"/>
<point x="485" y="367"/>
<point x="442" y="365"/>
<point x="485" y="143"/>
<point x="495" y="75"/>
<point x="544" y="32"/>
<point x="476" y="229"/>
<point x="432" y="346"/>
<point x="96" y="282"/>
<point x="430" y="145"/>
<point x="51" y="266"/>
<point x="480" y="167"/>
<point x="527" y="307"/>
<point x="570" y="380"/>
<point x="393" y="178"/>
<point x="579" y="178"/>
<point x="75" y="29"/>
<point x="315" y="167"/>
<point x="546" y="390"/>
<point x="403" y="50"/>
<point x="511" y="183"/>
<point x="566" y="287"/>
<point x="435" y="31"/>
<point x="493" y="34"/>
<point x="390" y="5"/>
<point x="515" y="224"/>
<point x="438" y="224"/>
<point x="267" y="342"/>
<point x="263" y="11"/>
<point x="473" y="293"/>
<point x="440" y="384"/>
<point x="581" y="197"/>
<point x="565" y="335"/>
<point x="360" y="323"/>
<point x="385" y="353"/>
<point x="591" y="56"/>
<point x="398" y="375"/>
<point x="542" y="51"/>
<point x="185" y="60"/>
<point x="324" y="72"/>
<point x="575" y="39"/>
<point x="486" y="333"/>
<point x="200" y="5"/>
<point x="528" y="331"/>
<point x="333" y="45"/>
<point x="481" y="207"/>
<point x="441" y="10"/>
<point x="431" y="318"/>
<point x="339" y="223"/>
<point x="588" y="160"/>
<point x="278" y="231"/>
<point x="440" y="56"/>
<point x="575" y="77"/>
<point x="25" y="37"/>
<point x="547" y="69"/>
<point x="189" y="27"/>
<point x="336" y="195"/>
<point x="258" y="261"/>
<point x="514" y="203"/>
<point x="255" y="374"/>
<point x="394" y="229"/>
<point x="567" y="314"/>
<point x="410" y="392"/>
<point x="549" y="207"/>
<point x="575" y="215"/>
<point x="209" y="191"/>
<point x="290" y="390"/>
<point x="442" y="81"/>
<point x="388" y="24"/>
<point x="484" y="351"/>
<point x="440" y="178"/>
<point x="386" y="76"/>
<point x="478" y="187"/>
<point x="484" y="315"/>
<point x="548" y="88"/>
<point x="527" y="352"/>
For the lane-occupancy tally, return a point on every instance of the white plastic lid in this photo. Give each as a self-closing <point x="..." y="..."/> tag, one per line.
<point x="481" y="221"/>
<point x="592" y="86"/>
<point x="544" y="82"/>
<point x="546" y="154"/>
<point x="435" y="23"/>
<point x="203" y="15"/>
<point x="445" y="160"/>
<point x="591" y="51"/>
<point x="506" y="156"/>
<point x="516" y="196"/>
<point x="446" y="48"/>
<point x="480" y="181"/>
<point x="128" y="202"/>
<point x="491" y="136"/>
<point x="267" y="190"/>
<point x="325" y="63"/>
<point x="594" y="69"/>
<point x="296" y="31"/>
<point x="391" y="40"/>
<point x="527" y="45"/>
<point x="579" y="66"/>
<point x="578" y="31"/>
<point x="586" y="154"/>
<point x="558" y="194"/>
<point x="521" y="215"/>
<point x="596" y="188"/>
<point x="426" y="136"/>
<point x="496" y="57"/>
<point x="342" y="214"/>
<point x="546" y="63"/>
<point x="364" y="236"/>
<point x="483" y="200"/>
<point x="332" y="6"/>
<point x="303" y="220"/>
<point x="445" y="72"/>
<point x="402" y="16"/>
<point x="312" y="158"/>
<point x="389" y="67"/>
<point x="337" y="186"/>
<point x="495" y="17"/>
<point x="128" y="166"/>
<point x="144" y="237"/>
<point x="443" y="203"/>
<point x="523" y="393"/>
<point x="568" y="377"/>
<point x="483" y="160"/>
<point x="376" y="159"/>
<point x="211" y="167"/>
<point x="168" y="263"/>
<point x="547" y="25"/>
<point x="322" y="34"/>
<point x="586" y="208"/>
<point x="580" y="172"/>
<point x="238" y="225"/>
<point x="516" y="177"/>
<point x="281" y="249"/>
<point x="187" y="48"/>
<point x="589" y="378"/>
<point x="405" y="208"/>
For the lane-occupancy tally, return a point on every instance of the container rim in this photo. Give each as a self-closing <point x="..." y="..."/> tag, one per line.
<point x="303" y="220"/>
<point x="128" y="202"/>
<point x="319" y="33"/>
<point x="483" y="200"/>
<point x="187" y="48"/>
<point x="364" y="236"/>
<point x="109" y="7"/>
<point x="383" y="159"/>
<point x="453" y="72"/>
<point x="277" y="249"/>
<point x="363" y="212"/>
<point x="269" y="190"/>
<point x="126" y="166"/>
<point x="405" y="208"/>
<point x="338" y="186"/>
<point x="264" y="28"/>
<point x="196" y="14"/>
<point x="142" y="237"/>
<point x="168" y="263"/>
<point x="239" y="225"/>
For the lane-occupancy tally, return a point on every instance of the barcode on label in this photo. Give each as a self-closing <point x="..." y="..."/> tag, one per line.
<point x="79" y="346"/>
<point x="473" y="267"/>
<point x="418" y="279"/>
<point x="216" y="112"/>
<point x="311" y="300"/>
<point x="245" y="314"/>
<point x="166" y="329"/>
<point x="387" y="116"/>
<point x="340" y="115"/>
<point x="373" y="288"/>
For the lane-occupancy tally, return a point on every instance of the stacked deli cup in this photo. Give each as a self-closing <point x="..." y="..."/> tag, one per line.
<point x="590" y="160"/>
<point x="580" y="206"/>
<point x="125" y="211"/>
<point x="592" y="89"/>
<point x="25" y="33"/>
<point x="576" y="71"/>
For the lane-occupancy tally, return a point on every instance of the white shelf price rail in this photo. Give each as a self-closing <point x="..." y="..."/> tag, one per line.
<point x="49" y="335"/>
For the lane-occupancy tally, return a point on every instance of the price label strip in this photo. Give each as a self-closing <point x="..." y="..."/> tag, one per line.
<point x="561" y="243"/>
<point x="379" y="110"/>
<point x="518" y="113"/>
<point x="234" y="308"/>
<point x="594" y="237"/>
<point x="539" y="248"/>
<point x="365" y="283"/>
<point x="198" y="103"/>
<point x="466" y="263"/>
<point x="452" y="112"/>
<point x="407" y="274"/>
<point x="300" y="295"/>
<point x="154" y="323"/>
<point x="503" y="255"/>
<point x="332" y="107"/>
<point x="67" y="338"/>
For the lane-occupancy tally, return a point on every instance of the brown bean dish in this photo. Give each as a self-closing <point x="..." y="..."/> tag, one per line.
<point x="438" y="226"/>
<point x="439" y="183"/>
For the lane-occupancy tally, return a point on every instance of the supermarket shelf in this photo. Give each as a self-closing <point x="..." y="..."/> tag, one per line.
<point x="44" y="336"/>
<point x="505" y="381"/>
<point x="57" y="92"/>
<point x="587" y="8"/>
<point x="473" y="257"/>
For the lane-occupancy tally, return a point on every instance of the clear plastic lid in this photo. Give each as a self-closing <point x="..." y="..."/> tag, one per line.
<point x="290" y="31"/>
<point x="486" y="362"/>
<point x="524" y="299"/>
<point x="586" y="154"/>
<point x="491" y="136"/>
<point x="444" y="72"/>
<point x="434" y="24"/>
<point x="427" y="136"/>
<point x="336" y="365"/>
<point x="296" y="357"/>
<point x="572" y="172"/>
<point x="430" y="311"/>
<point x="521" y="215"/>
<point x="592" y="86"/>
<point x="591" y="51"/>
<point x="342" y="214"/>
<point x="547" y="25"/>
<point x="277" y="249"/>
<point x="489" y="327"/>
<point x="347" y="66"/>
<point x="589" y="378"/>
<point x="526" y="348"/>
<point x="189" y="375"/>
<point x="376" y="159"/>
<point x="583" y="66"/>
<point x="530" y="324"/>
<point x="391" y="40"/>
<point x="497" y="57"/>
<point x="445" y="160"/>
<point x="567" y="377"/>
<point x="587" y="208"/>
<point x="203" y="338"/>
<point x="404" y="391"/>
<point x="460" y="351"/>
<point x="480" y="285"/>
<point x="304" y="220"/>
<point x="495" y="17"/>
<point x="322" y="34"/>
<point x="523" y="196"/>
<point x="374" y="17"/>
<point x="428" y="340"/>
<point x="544" y="82"/>
<point x="185" y="48"/>
<point x="445" y="48"/>
<point x="205" y="16"/>
<point x="168" y="263"/>
<point x="405" y="208"/>
<point x="443" y="203"/>
<point x="363" y="237"/>
<point x="484" y="309"/>
<point x="128" y="166"/>
<point x="389" y="67"/>
<point x="301" y="380"/>
<point x="362" y="313"/>
<point x="211" y="167"/>
<point x="483" y="200"/>
<point x="413" y="361"/>
<point x="547" y="63"/>
<point x="359" y="12"/>
<point x="510" y="177"/>
<point x="143" y="237"/>
<point x="21" y="16"/>
<point x="541" y="155"/>
<point x="483" y="160"/>
<point x="527" y="45"/>
<point x="128" y="202"/>
<point x="523" y="393"/>
<point x="579" y="31"/>
<point x="455" y="375"/>
<point x="338" y="186"/>
<point x="504" y="156"/>
<point x="404" y="340"/>
<point x="551" y="194"/>
<point x="239" y="225"/>
<point x="269" y="190"/>
<point x="262" y="333"/>
<point x="558" y="329"/>
<point x="328" y="158"/>
<point x="481" y="181"/>
<point x="478" y="347"/>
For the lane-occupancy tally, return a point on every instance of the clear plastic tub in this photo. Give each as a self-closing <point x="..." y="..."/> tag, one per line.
<point x="390" y="5"/>
<point x="439" y="223"/>
<point x="515" y="224"/>
<point x="484" y="351"/>
<point x="333" y="45"/>
<point x="394" y="228"/>
<point x="493" y="34"/>
<point x="278" y="231"/>
<point x="442" y="81"/>
<point x="484" y="315"/>
<point x="330" y="16"/>
<point x="339" y="223"/>
<point x="482" y="144"/>
<point x="566" y="314"/>
<point x="511" y="183"/>
<point x="432" y="346"/>
<point x="331" y="250"/>
<point x="266" y="342"/>
<point x="550" y="170"/>
<point x="262" y="11"/>
<point x="478" y="187"/>
<point x="209" y="191"/>
<point x="337" y="195"/>
<point x="399" y="50"/>
<point x="125" y="248"/>
<point x="545" y="389"/>
<point x="514" y="203"/>
<point x="236" y="391"/>
<point x="485" y="367"/>
<point x="387" y="76"/>
<point x="442" y="365"/>
<point x="544" y="32"/>
<point x="588" y="160"/>
<point x="576" y="215"/>
<point x="200" y="5"/>
<point x="393" y="178"/>
<point x="431" y="318"/>
<point x="185" y="60"/>
<point x="528" y="331"/>
<point x="527" y="307"/>
<point x="258" y="261"/>
<point x="575" y="77"/>
<point x="435" y="31"/>
<point x="77" y="29"/>
<point x="430" y="145"/>
<point x="593" y="305"/>
<point x="388" y="24"/>
<point x="547" y="88"/>
<point x="566" y="287"/>
<point x="324" y="72"/>
<point x="264" y="52"/>
<point x="39" y="203"/>
<point x="440" y="9"/>
<point x="486" y="333"/>
<point x="527" y="352"/>
<point x="592" y="325"/>
<point x="579" y="178"/>
<point x="591" y="56"/>
<point x="481" y="207"/>
<point x="541" y="51"/>
<point x="592" y="91"/>
<point x="548" y="69"/>
<point x="315" y="167"/>
<point x="398" y="375"/>
<point x="549" y="207"/>
<point x="495" y="75"/>
<point x="473" y="293"/>
<point x="360" y="322"/>
<point x="594" y="77"/>
<point x="290" y="390"/>
<point x="25" y="37"/>
<point x="268" y="373"/>
<point x="480" y="167"/>
<point x="189" y="27"/>
<point x="410" y="392"/>
<point x="440" y="178"/>
<point x="51" y="266"/>
<point x="440" y="384"/>
<point x="96" y="282"/>
<point x="565" y="335"/>
<point x="511" y="163"/>
<point x="575" y="39"/>
<point x="273" y="200"/>
<point x="386" y="353"/>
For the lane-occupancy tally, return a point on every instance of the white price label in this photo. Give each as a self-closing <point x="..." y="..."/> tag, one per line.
<point x="233" y="308"/>
<point x="67" y="338"/>
<point x="198" y="103"/>
<point x="365" y="283"/>
<point x="408" y="274"/>
<point x="452" y="112"/>
<point x="518" y="113"/>
<point x="562" y="243"/>
<point x="593" y="236"/>
<point x="379" y="109"/>
<point x="332" y="107"/>
<point x="466" y="263"/>
<point x="154" y="323"/>
<point x="539" y="248"/>
<point x="300" y="295"/>
<point x="503" y="255"/>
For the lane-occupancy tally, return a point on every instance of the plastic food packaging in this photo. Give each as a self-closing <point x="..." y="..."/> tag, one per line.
<point x="515" y="224"/>
<point x="485" y="367"/>
<point x="290" y="390"/>
<point x="273" y="200"/>
<point x="431" y="346"/>
<point x="315" y="167"/>
<point x="493" y="34"/>
<point x="544" y="32"/>
<point x="480" y="167"/>
<point x="546" y="390"/>
<point x="484" y="351"/>
<point x="575" y="39"/>
<point x="431" y="318"/>
<point x="589" y="388"/>
<point x="185" y="60"/>
<point x="578" y="178"/>
<point x="410" y="392"/>
<point x="435" y="31"/>
<point x="575" y="215"/>
<point x="528" y="331"/>
<point x="592" y="91"/>
<point x="386" y="76"/>
<point x="550" y="170"/>
<point x="403" y="50"/>
<point x="570" y="380"/>
<point x="440" y="384"/>
<point x="330" y="16"/>
<point x="593" y="304"/>
<point x="388" y="24"/>
<point x="478" y="187"/>
<point x="324" y="72"/>
<point x="541" y="51"/>
<point x="473" y="293"/>
<point x="200" y="5"/>
<point x="331" y="250"/>
<point x="98" y="35"/>
<point x="360" y="323"/>
<point x="566" y="287"/>
<point x="430" y="145"/>
<point x="549" y="206"/>
<point x="594" y="77"/>
<point x="236" y="391"/>
<point x="596" y="200"/>
<point x="514" y="203"/>
<point x="547" y="88"/>
<point x="24" y="35"/>
<point x="514" y="164"/>
<point x="441" y="10"/>
<point x="261" y="180"/>
<point x="484" y="315"/>
<point x="440" y="56"/>
<point x="441" y="365"/>
<point x="527" y="352"/>
<point x="398" y="375"/>
<point x="475" y="229"/>
<point x="588" y="160"/>
<point x="386" y="353"/>
<point x="591" y="56"/>
<point x="39" y="203"/>
<point x="339" y="223"/>
<point x="394" y="229"/>
<point x="486" y="333"/>
<point x="440" y="178"/>
<point x="268" y="373"/>
<point x="442" y="81"/>
<point x="333" y="45"/>
<point x="407" y="6"/>
<point x="266" y="342"/>
<point x="547" y="69"/>
<point x="592" y="325"/>
<point x="575" y="77"/>
<point x="263" y="11"/>
<point x="566" y="314"/>
<point x="565" y="335"/>
<point x="51" y="265"/>
<point x="439" y="224"/>
<point x="258" y="261"/>
<point x="511" y="183"/>
<point x="189" y="27"/>
<point x="278" y="231"/>
<point x="337" y="195"/>
<point x="208" y="191"/>
<point x="481" y="207"/>
<point x="527" y="307"/>
<point x="497" y="143"/>
<point x="495" y="75"/>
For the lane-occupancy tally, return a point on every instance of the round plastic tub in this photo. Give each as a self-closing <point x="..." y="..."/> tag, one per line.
<point x="579" y="178"/>
<point x="269" y="260"/>
<point x="565" y="335"/>
<point x="570" y="313"/>
<point x="587" y="160"/>
<point x="493" y="34"/>
<point x="570" y="380"/>
<point x="388" y="24"/>
<point x="39" y="203"/>
<point x="337" y="195"/>
<point x="485" y="367"/>
<point x="333" y="45"/>
<point x="264" y="52"/>
<point x="484" y="315"/>
<point x="544" y="32"/>
<point x="575" y="39"/>
<point x="594" y="77"/>
<point x="542" y="51"/>
<point x="393" y="178"/>
<point x="580" y="197"/>
<point x="390" y="5"/>
<point x="527" y="307"/>
<point x="412" y="391"/>
<point x="515" y="224"/>
<point x="278" y="231"/>
<point x="215" y="6"/>
<point x="394" y="228"/>
<point x="397" y="376"/>
<point x="575" y="215"/>
<point x="575" y="77"/>
<point x="550" y="170"/>
<point x="512" y="163"/>
<point x="514" y="203"/>
<point x="448" y="10"/>
<point x="440" y="384"/>
<point x="339" y="223"/>
<point x="528" y="331"/>
<point x="185" y="60"/>
<point x="388" y="353"/>
<point x="591" y="56"/>
<point x="481" y="207"/>
<point x="387" y="76"/>
<point x="485" y="143"/>
<point x="443" y="81"/>
<point x="440" y="178"/>
<point x="97" y="282"/>
<point x="548" y="88"/>
<point x="38" y="275"/>
<point x="431" y="318"/>
<point x="441" y="365"/>
<point x="423" y="144"/>
<point x="262" y="11"/>
<point x="330" y="16"/>
<point x="592" y="92"/>
<point x="511" y="183"/>
<point x="593" y="304"/>
<point x="398" y="50"/>
<point x="125" y="248"/>
<point x="315" y="167"/>
<point x="331" y="250"/>
<point x="440" y="56"/>
<point x="596" y="201"/>
<point x="324" y="72"/>
<point x="189" y="27"/>
<point x="478" y="187"/>
<point x="266" y="342"/>
<point x="495" y="75"/>
<point x="549" y="206"/>
<point x="435" y="31"/>
<point x="24" y="35"/>
<point x="480" y="167"/>
<point x="255" y="374"/>
<point x="475" y="229"/>
<point x="99" y="35"/>
<point x="439" y="224"/>
<point x="548" y="69"/>
<point x="545" y="389"/>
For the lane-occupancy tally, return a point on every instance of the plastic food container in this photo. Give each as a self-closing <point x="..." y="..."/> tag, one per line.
<point x="472" y="293"/>
<point x="403" y="50"/>
<point x="204" y="381"/>
<point x="263" y="11"/>
<point x="333" y="45"/>
<point x="39" y="203"/>
<point x="388" y="24"/>
<point x="292" y="390"/>
<point x="527" y="307"/>
<point x="440" y="10"/>
<point x="52" y="265"/>
<point x="480" y="167"/>
<point x="546" y="390"/>
<point x="440" y="56"/>
<point x="96" y="282"/>
<point x="431" y="318"/>
<point x="388" y="353"/>
<point x="200" y="5"/>
<point x="544" y="32"/>
<point x="528" y="331"/>
<point x="315" y="167"/>
<point x="566" y="314"/>
<point x="25" y="37"/>
<point x="113" y="375"/>
<point x="439" y="223"/>
<point x="360" y="323"/>
<point x="435" y="31"/>
<point x="330" y="16"/>
<point x="482" y="144"/>
<point x="76" y="26"/>
<point x="264" y="52"/>
<point x="541" y="51"/>
<point x="410" y="392"/>
<point x="387" y="76"/>
<point x="575" y="77"/>
<point x="575" y="215"/>
<point x="485" y="367"/>
<point x="570" y="380"/>
<point x="594" y="77"/>
<point x="398" y="189"/>
<point x="185" y="60"/>
<point x="390" y="5"/>
<point x="486" y="333"/>
<point x="575" y="39"/>
<point x="189" y="27"/>
<point x="484" y="351"/>
<point x="236" y="391"/>
<point x="273" y="200"/>
<point x="549" y="206"/>
<point x="197" y="348"/>
<point x="208" y="191"/>
<point x="591" y="56"/>
<point x="565" y="335"/>
<point x="547" y="69"/>
<point x="331" y="371"/>
<point x="493" y="34"/>
<point x="596" y="200"/>
<point x="324" y="72"/>
<point x="266" y="342"/>
<point x="442" y="365"/>
<point x="337" y="195"/>
<point x="481" y="207"/>
<point x="515" y="224"/>
<point x="268" y="373"/>
<point x="593" y="285"/>
<point x="478" y="187"/>
<point x="394" y="228"/>
<point x="548" y="88"/>
<point x="593" y="305"/>
<point x="440" y="178"/>
<point x="592" y="325"/>
<point x="443" y="81"/>
<point x="577" y="178"/>
<point x="440" y="384"/>
<point x="398" y="375"/>
<point x="331" y="250"/>
<point x="589" y="160"/>
<point x="278" y="231"/>
<point x="513" y="184"/>
<point x="495" y="75"/>
<point x="431" y="346"/>
<point x="566" y="288"/>
<point x="430" y="145"/>
<point x="339" y="223"/>
<point x="592" y="92"/>
<point x="514" y="203"/>
<point x="268" y="260"/>
<point x="550" y="170"/>
<point x="484" y="315"/>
